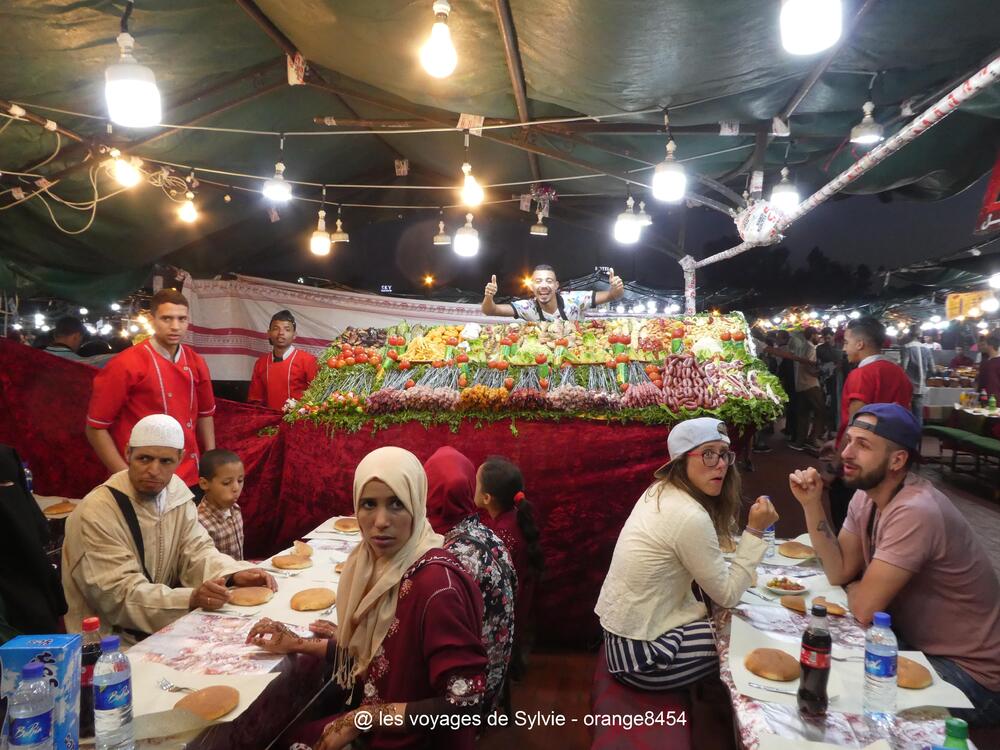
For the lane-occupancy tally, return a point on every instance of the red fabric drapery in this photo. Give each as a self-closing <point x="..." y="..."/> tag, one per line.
<point x="583" y="476"/>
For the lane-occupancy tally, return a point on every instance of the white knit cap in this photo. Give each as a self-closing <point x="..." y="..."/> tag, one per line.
<point x="157" y="431"/>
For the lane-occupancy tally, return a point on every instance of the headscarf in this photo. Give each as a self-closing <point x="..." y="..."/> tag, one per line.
<point x="451" y="489"/>
<point x="364" y="618"/>
<point x="29" y="586"/>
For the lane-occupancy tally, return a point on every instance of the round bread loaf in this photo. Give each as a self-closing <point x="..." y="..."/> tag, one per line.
<point x="831" y="609"/>
<point x="303" y="549"/>
<point x="912" y="675"/>
<point x="348" y="525"/>
<point x="59" y="509"/>
<point x="772" y="664"/>
<point x="291" y="562"/>
<point x="796" y="550"/>
<point x="250" y="596"/>
<point x="309" y="600"/>
<point x="210" y="703"/>
<point x="794" y="603"/>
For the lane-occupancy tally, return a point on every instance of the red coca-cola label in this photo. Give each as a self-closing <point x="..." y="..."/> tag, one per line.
<point x="87" y="676"/>
<point x="815" y="658"/>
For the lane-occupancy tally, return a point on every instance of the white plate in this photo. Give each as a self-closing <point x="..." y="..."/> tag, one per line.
<point x="786" y="592"/>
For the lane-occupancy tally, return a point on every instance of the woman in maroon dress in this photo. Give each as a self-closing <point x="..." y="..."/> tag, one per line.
<point x="409" y="619"/>
<point x="500" y="493"/>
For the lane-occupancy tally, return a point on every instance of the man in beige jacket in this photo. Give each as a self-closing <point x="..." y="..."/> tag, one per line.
<point x="135" y="554"/>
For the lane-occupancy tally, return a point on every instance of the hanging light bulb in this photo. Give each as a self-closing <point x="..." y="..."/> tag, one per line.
<point x="854" y="315"/>
<point x="669" y="178"/>
<point x="620" y="309"/>
<point x="442" y="237"/>
<point x="990" y="304"/>
<point x="129" y="88"/>
<point x="784" y="196"/>
<point x="319" y="243"/>
<point x="642" y="217"/>
<point x="867" y="131"/>
<point x="627" y="227"/>
<point x="125" y="169"/>
<point x="276" y="189"/>
<point x="466" y="239"/>
<point x="810" y="26"/>
<point x="115" y="306"/>
<point x="995" y="281"/>
<point x="651" y="307"/>
<point x="438" y="54"/>
<point x="539" y="229"/>
<point x="339" y="235"/>
<point x="472" y="192"/>
<point x="187" y="212"/>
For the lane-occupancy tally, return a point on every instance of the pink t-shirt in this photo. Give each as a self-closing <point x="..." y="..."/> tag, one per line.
<point x="951" y="605"/>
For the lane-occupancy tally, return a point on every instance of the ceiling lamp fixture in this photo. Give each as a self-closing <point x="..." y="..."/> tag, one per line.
<point x="187" y="212"/>
<point x="627" y="225"/>
<point x="995" y="281"/>
<point x="276" y="189"/>
<point x="669" y="178"/>
<point x="129" y="88"/>
<point x="472" y="193"/>
<point x="810" y="26"/>
<point x="867" y="131"/>
<point x="438" y="54"/>
<point x="125" y="169"/>
<point x="319" y="243"/>
<point x="442" y="237"/>
<point x="339" y="235"/>
<point x="990" y="305"/>
<point x="466" y="239"/>
<point x="642" y="217"/>
<point x="784" y="196"/>
<point x="539" y="229"/>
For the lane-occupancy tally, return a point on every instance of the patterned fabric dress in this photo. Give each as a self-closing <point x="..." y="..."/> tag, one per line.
<point x="481" y="553"/>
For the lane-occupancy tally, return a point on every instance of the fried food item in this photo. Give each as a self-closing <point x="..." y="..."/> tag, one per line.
<point x="831" y="609"/>
<point x="794" y="603"/>
<point x="310" y="600"/>
<point x="911" y="675"/>
<point x="772" y="664"/>
<point x="210" y="703"/>
<point x="796" y="550"/>
<point x="291" y="562"/>
<point x="250" y="596"/>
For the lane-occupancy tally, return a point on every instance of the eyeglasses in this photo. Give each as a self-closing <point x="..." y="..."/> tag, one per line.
<point x="711" y="458"/>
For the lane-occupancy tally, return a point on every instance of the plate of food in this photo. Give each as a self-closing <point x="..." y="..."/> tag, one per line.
<point x="784" y="585"/>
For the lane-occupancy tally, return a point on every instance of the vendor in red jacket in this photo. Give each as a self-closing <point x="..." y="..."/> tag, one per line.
<point x="284" y="373"/>
<point x="158" y="376"/>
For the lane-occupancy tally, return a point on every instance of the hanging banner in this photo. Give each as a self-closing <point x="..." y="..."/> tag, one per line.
<point x="989" y="215"/>
<point x="960" y="305"/>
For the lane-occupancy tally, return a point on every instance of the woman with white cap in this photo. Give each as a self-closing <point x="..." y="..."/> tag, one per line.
<point x="656" y="633"/>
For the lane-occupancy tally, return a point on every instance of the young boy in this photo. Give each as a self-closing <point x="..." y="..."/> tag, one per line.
<point x="221" y="477"/>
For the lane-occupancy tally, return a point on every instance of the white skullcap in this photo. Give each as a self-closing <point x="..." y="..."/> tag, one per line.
<point x="157" y="431"/>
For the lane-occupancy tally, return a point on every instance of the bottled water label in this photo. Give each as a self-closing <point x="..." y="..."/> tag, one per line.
<point x="880" y="665"/>
<point x="114" y="696"/>
<point x="30" y="730"/>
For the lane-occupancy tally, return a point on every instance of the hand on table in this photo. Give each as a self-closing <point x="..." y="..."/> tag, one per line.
<point x="491" y="288"/>
<point x="255" y="577"/>
<point x="323" y="629"/>
<point x="762" y="514"/>
<point x="211" y="594"/>
<point x="806" y="486"/>
<point x="339" y="733"/>
<point x="275" y="637"/>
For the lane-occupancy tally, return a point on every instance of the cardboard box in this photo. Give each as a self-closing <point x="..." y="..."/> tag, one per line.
<point x="61" y="656"/>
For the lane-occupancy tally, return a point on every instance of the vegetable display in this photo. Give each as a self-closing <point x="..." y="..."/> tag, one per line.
<point x="651" y="370"/>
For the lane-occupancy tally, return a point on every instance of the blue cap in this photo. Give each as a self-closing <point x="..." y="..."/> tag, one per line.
<point x="893" y="422"/>
<point x="882" y="620"/>
<point x="110" y="643"/>
<point x="32" y="670"/>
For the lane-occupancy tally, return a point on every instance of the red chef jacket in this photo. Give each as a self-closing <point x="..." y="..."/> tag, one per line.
<point x="142" y="381"/>
<point x="273" y="383"/>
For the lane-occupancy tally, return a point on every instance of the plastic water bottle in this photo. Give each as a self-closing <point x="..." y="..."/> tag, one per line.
<point x="769" y="538"/>
<point x="28" y="476"/>
<point x="113" y="698"/>
<point x="30" y="709"/>
<point x="881" y="652"/>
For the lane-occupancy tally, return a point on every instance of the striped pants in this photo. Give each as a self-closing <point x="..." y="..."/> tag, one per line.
<point x="677" y="658"/>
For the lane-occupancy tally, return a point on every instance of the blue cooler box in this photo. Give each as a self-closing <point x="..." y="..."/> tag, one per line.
<point x="61" y="656"/>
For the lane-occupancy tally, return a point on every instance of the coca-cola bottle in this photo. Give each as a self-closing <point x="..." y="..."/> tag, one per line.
<point x="815" y="662"/>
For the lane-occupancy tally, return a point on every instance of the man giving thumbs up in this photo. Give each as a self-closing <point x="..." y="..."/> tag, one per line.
<point x="548" y="302"/>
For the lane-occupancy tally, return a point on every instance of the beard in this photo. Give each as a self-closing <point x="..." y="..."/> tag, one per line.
<point x="868" y="480"/>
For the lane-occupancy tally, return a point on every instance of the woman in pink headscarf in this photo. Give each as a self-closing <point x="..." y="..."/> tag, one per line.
<point x="451" y="510"/>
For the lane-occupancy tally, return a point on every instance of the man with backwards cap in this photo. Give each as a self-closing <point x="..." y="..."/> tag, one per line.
<point x="907" y="550"/>
<point x="135" y="554"/>
<point x="285" y="372"/>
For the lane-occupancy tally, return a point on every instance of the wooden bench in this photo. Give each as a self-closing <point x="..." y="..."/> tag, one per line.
<point x="966" y="435"/>
<point x="610" y="698"/>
